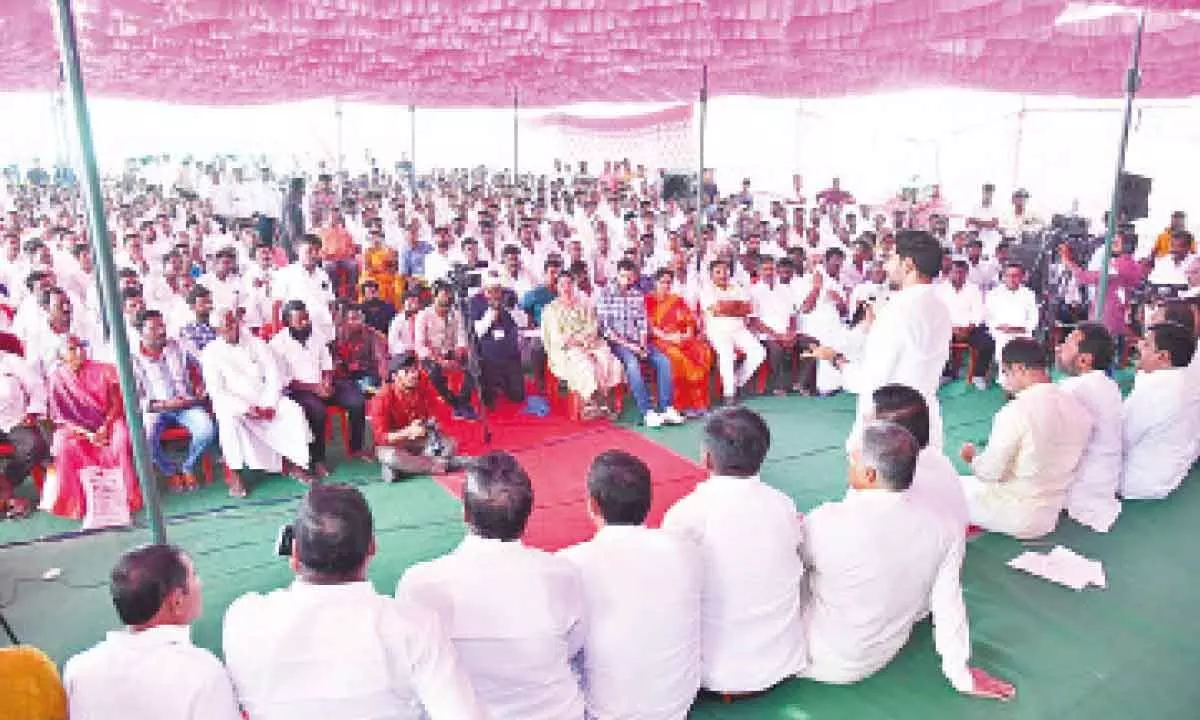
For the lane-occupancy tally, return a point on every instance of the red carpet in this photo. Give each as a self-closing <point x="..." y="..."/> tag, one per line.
<point x="556" y="453"/>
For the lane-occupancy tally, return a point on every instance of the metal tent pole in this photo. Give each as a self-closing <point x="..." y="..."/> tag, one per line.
<point x="337" y="115"/>
<point x="412" y="149"/>
<point x="700" y="175"/>
<point x="69" y="46"/>
<point x="1132" y="80"/>
<point x="516" y="136"/>
<point x="1016" y="180"/>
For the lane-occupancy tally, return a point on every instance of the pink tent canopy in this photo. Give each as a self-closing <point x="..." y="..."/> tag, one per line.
<point x="476" y="52"/>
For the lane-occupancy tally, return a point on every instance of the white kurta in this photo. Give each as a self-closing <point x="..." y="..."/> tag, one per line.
<point x="515" y="615"/>
<point x="1159" y="434"/>
<point x="153" y="674"/>
<point x="241" y="376"/>
<point x="1017" y="308"/>
<point x="908" y="344"/>
<point x="749" y="536"/>
<point x="1021" y="477"/>
<point x="1092" y="497"/>
<point x="936" y="486"/>
<point x="642" y="589"/>
<point x="878" y="563"/>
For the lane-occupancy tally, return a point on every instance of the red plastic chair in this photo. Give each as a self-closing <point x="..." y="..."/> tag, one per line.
<point x="180" y="434"/>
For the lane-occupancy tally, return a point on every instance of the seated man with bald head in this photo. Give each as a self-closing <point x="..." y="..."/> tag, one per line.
<point x="879" y="561"/>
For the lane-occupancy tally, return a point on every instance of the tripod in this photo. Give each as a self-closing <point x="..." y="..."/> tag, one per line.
<point x="474" y="364"/>
<point x="12" y="636"/>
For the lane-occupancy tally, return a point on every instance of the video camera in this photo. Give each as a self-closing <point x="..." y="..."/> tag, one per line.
<point x="463" y="277"/>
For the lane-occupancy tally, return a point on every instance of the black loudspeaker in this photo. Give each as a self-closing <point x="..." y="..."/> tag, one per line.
<point x="1135" y="196"/>
<point x="678" y="186"/>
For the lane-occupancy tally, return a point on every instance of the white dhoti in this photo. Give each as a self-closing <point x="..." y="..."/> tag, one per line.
<point x="256" y="444"/>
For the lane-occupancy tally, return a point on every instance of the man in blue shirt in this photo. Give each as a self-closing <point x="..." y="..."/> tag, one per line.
<point x="621" y="312"/>
<point x="533" y="303"/>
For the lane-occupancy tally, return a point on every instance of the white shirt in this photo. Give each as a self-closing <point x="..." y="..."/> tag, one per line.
<point x="516" y="617"/>
<point x="984" y="275"/>
<point x="315" y="652"/>
<point x="1031" y="458"/>
<point x="314" y="289"/>
<point x="1092" y="498"/>
<point x="710" y="295"/>
<point x="908" y="344"/>
<point x="225" y="293"/>
<point x="936" y="486"/>
<point x="642" y="594"/>
<point x="1167" y="272"/>
<point x="878" y="563"/>
<point x="1159" y="433"/>
<point x="749" y="536"/>
<point x="149" y="675"/>
<point x="300" y="363"/>
<point x="965" y="304"/>
<point x="21" y="391"/>
<point x="774" y="306"/>
<point x="1017" y="308"/>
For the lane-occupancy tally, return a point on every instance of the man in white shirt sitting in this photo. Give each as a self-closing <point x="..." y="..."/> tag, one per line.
<point x="774" y="320"/>
<point x="330" y="646"/>
<point x="1038" y="438"/>
<point x="306" y="372"/>
<point x="306" y="281"/>
<point x="514" y="613"/>
<point x="22" y="404"/>
<point x="726" y="306"/>
<point x="1086" y="355"/>
<point x="965" y="302"/>
<point x="1171" y="269"/>
<point x="878" y="562"/>
<point x="1012" y="310"/>
<point x="1160" y="433"/>
<point x="749" y="536"/>
<point x="150" y="670"/>
<point x="642" y="594"/>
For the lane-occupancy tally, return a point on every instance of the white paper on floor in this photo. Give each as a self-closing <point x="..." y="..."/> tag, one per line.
<point x="1063" y="566"/>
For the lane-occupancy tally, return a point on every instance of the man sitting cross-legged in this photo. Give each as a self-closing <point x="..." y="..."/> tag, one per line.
<point x="749" y="534"/>
<point x="401" y="420"/>
<point x="1021" y="478"/>
<point x="258" y="427"/>
<point x="642" y="594"/>
<point x="878" y="562"/>
<point x="514" y="613"/>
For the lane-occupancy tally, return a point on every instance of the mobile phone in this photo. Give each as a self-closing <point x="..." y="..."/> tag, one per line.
<point x="283" y="543"/>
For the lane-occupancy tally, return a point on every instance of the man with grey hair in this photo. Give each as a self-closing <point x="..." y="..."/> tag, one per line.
<point x="879" y="562"/>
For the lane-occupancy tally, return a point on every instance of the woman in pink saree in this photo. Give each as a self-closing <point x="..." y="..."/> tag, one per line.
<point x="89" y="428"/>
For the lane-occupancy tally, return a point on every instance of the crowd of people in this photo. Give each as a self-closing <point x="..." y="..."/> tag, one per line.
<point x="255" y="311"/>
<point x="251" y="325"/>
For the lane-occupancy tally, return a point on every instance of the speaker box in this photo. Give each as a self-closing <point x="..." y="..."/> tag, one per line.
<point x="1135" y="196"/>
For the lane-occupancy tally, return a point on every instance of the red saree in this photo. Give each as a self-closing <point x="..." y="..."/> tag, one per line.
<point x="82" y="400"/>
<point x="691" y="360"/>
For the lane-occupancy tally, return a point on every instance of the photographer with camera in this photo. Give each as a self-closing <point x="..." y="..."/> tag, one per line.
<point x="1124" y="274"/>
<point x="407" y="440"/>
<point x="441" y="344"/>
<point x="328" y="645"/>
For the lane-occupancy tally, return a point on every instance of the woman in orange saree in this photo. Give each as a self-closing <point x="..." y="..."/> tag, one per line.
<point x="673" y="330"/>
<point x="380" y="264"/>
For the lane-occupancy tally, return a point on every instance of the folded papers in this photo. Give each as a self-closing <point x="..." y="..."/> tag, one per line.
<point x="1063" y="566"/>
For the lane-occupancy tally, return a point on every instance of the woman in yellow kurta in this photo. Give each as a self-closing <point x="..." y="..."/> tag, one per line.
<point x="380" y="264"/>
<point x="575" y="351"/>
<point x="673" y="331"/>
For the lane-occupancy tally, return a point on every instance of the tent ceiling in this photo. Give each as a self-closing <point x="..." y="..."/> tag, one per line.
<point x="475" y="52"/>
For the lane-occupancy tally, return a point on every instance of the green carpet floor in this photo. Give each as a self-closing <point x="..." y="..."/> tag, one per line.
<point x="1132" y="650"/>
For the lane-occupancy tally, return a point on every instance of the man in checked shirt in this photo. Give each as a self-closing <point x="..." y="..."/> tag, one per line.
<point x="621" y="312"/>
